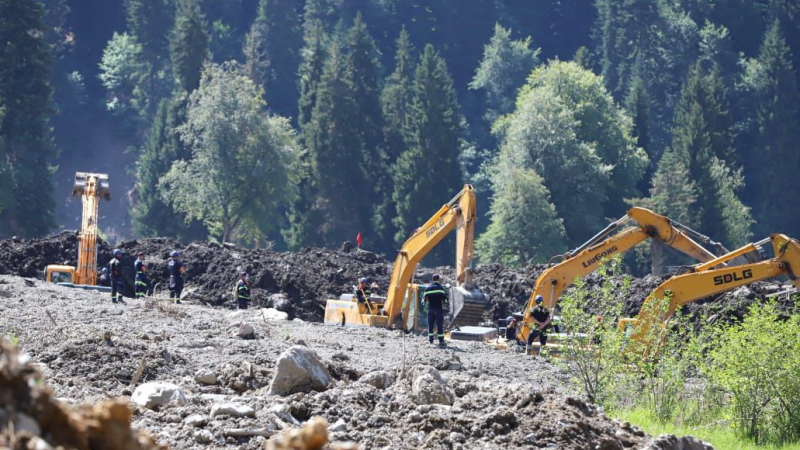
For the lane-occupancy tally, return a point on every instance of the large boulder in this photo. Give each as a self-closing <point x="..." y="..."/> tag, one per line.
<point x="670" y="442"/>
<point x="158" y="393"/>
<point x="299" y="370"/>
<point x="428" y="387"/>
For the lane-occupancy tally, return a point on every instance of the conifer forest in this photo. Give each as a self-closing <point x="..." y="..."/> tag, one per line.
<point x="296" y="123"/>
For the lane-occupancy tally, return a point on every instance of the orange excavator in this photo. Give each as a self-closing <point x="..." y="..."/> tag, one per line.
<point x="91" y="188"/>
<point x="708" y="279"/>
<point x="590" y="255"/>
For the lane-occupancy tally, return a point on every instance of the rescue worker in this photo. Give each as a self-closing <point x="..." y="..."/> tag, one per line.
<point x="104" y="278"/>
<point x="436" y="297"/>
<point x="243" y="290"/>
<point x="540" y="317"/>
<point x="142" y="283"/>
<point x="362" y="293"/>
<point x="115" y="273"/>
<point x="176" y="270"/>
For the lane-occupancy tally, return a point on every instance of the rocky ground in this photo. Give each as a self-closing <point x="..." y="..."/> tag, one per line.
<point x="202" y="377"/>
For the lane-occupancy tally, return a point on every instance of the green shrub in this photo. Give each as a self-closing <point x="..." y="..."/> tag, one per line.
<point x="757" y="362"/>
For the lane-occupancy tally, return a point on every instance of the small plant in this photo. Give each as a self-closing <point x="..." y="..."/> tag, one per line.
<point x="593" y="347"/>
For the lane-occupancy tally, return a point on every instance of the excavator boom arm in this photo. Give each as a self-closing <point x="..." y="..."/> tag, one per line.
<point x="690" y="287"/>
<point x="588" y="257"/>
<point x="457" y="214"/>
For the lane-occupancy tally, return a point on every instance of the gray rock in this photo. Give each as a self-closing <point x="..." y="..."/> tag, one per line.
<point x="380" y="379"/>
<point x="195" y="420"/>
<point x="246" y="331"/>
<point x="671" y="442"/>
<point x="203" y="436"/>
<point x="38" y="443"/>
<point x="274" y="315"/>
<point x="206" y="377"/>
<point x="280" y="302"/>
<point x="216" y="398"/>
<point x="299" y="369"/>
<point x="428" y="387"/>
<point x="158" y="393"/>
<point x="232" y="409"/>
<point x="339" y="426"/>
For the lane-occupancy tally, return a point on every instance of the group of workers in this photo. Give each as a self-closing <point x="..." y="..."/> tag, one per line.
<point x="112" y="276"/>
<point x="540" y="323"/>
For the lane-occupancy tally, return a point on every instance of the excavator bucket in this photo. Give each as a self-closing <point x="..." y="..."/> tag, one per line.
<point x="468" y="304"/>
<point x="83" y="181"/>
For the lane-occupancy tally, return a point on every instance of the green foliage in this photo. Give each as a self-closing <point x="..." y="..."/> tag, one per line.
<point x="119" y="69"/>
<point x="189" y="45"/>
<point x="777" y="109"/>
<point x="569" y="130"/>
<point x="593" y="346"/>
<point x="502" y="71"/>
<point x="27" y="148"/>
<point x="152" y="215"/>
<point x="272" y="52"/>
<point x="396" y="99"/>
<point x="149" y="24"/>
<point x="525" y="228"/>
<point x="243" y="161"/>
<point x="314" y="53"/>
<point x="672" y="194"/>
<point x="427" y="174"/>
<point x="702" y="137"/>
<point x="757" y="362"/>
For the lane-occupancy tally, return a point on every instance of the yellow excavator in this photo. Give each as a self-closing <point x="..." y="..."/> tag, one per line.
<point x="708" y="279"/>
<point x="403" y="305"/>
<point x="91" y="187"/>
<point x="590" y="255"/>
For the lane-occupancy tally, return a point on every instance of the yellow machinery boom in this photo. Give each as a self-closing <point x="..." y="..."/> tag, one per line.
<point x="458" y="214"/>
<point x="91" y="188"/>
<point x="705" y="281"/>
<point x="588" y="257"/>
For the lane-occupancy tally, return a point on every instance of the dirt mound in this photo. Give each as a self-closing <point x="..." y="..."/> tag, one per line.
<point x="308" y="277"/>
<point x="31" y="418"/>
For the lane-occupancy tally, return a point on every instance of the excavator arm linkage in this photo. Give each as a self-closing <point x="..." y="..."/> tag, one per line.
<point x="589" y="256"/>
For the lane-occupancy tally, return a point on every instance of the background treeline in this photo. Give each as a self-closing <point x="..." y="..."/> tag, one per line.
<point x="305" y="122"/>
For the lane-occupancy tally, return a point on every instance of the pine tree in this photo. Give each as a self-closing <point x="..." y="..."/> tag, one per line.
<point x="395" y="100"/>
<point x="702" y="137"/>
<point x="273" y="52"/>
<point x="314" y="54"/>
<point x="777" y="157"/>
<point x="189" y="45"/>
<point x="525" y="227"/>
<point x="27" y="150"/>
<point x="427" y="174"/>
<point x="505" y="65"/>
<point x="397" y="96"/>
<point x="335" y="145"/>
<point x="673" y="194"/>
<point x="149" y="22"/>
<point x="637" y="103"/>
<point x="151" y="215"/>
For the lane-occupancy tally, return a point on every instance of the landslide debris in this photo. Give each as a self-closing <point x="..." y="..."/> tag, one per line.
<point x="385" y="389"/>
<point x="298" y="283"/>
<point x="30" y="417"/>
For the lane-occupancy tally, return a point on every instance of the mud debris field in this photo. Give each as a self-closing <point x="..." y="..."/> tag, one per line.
<point x="202" y="375"/>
